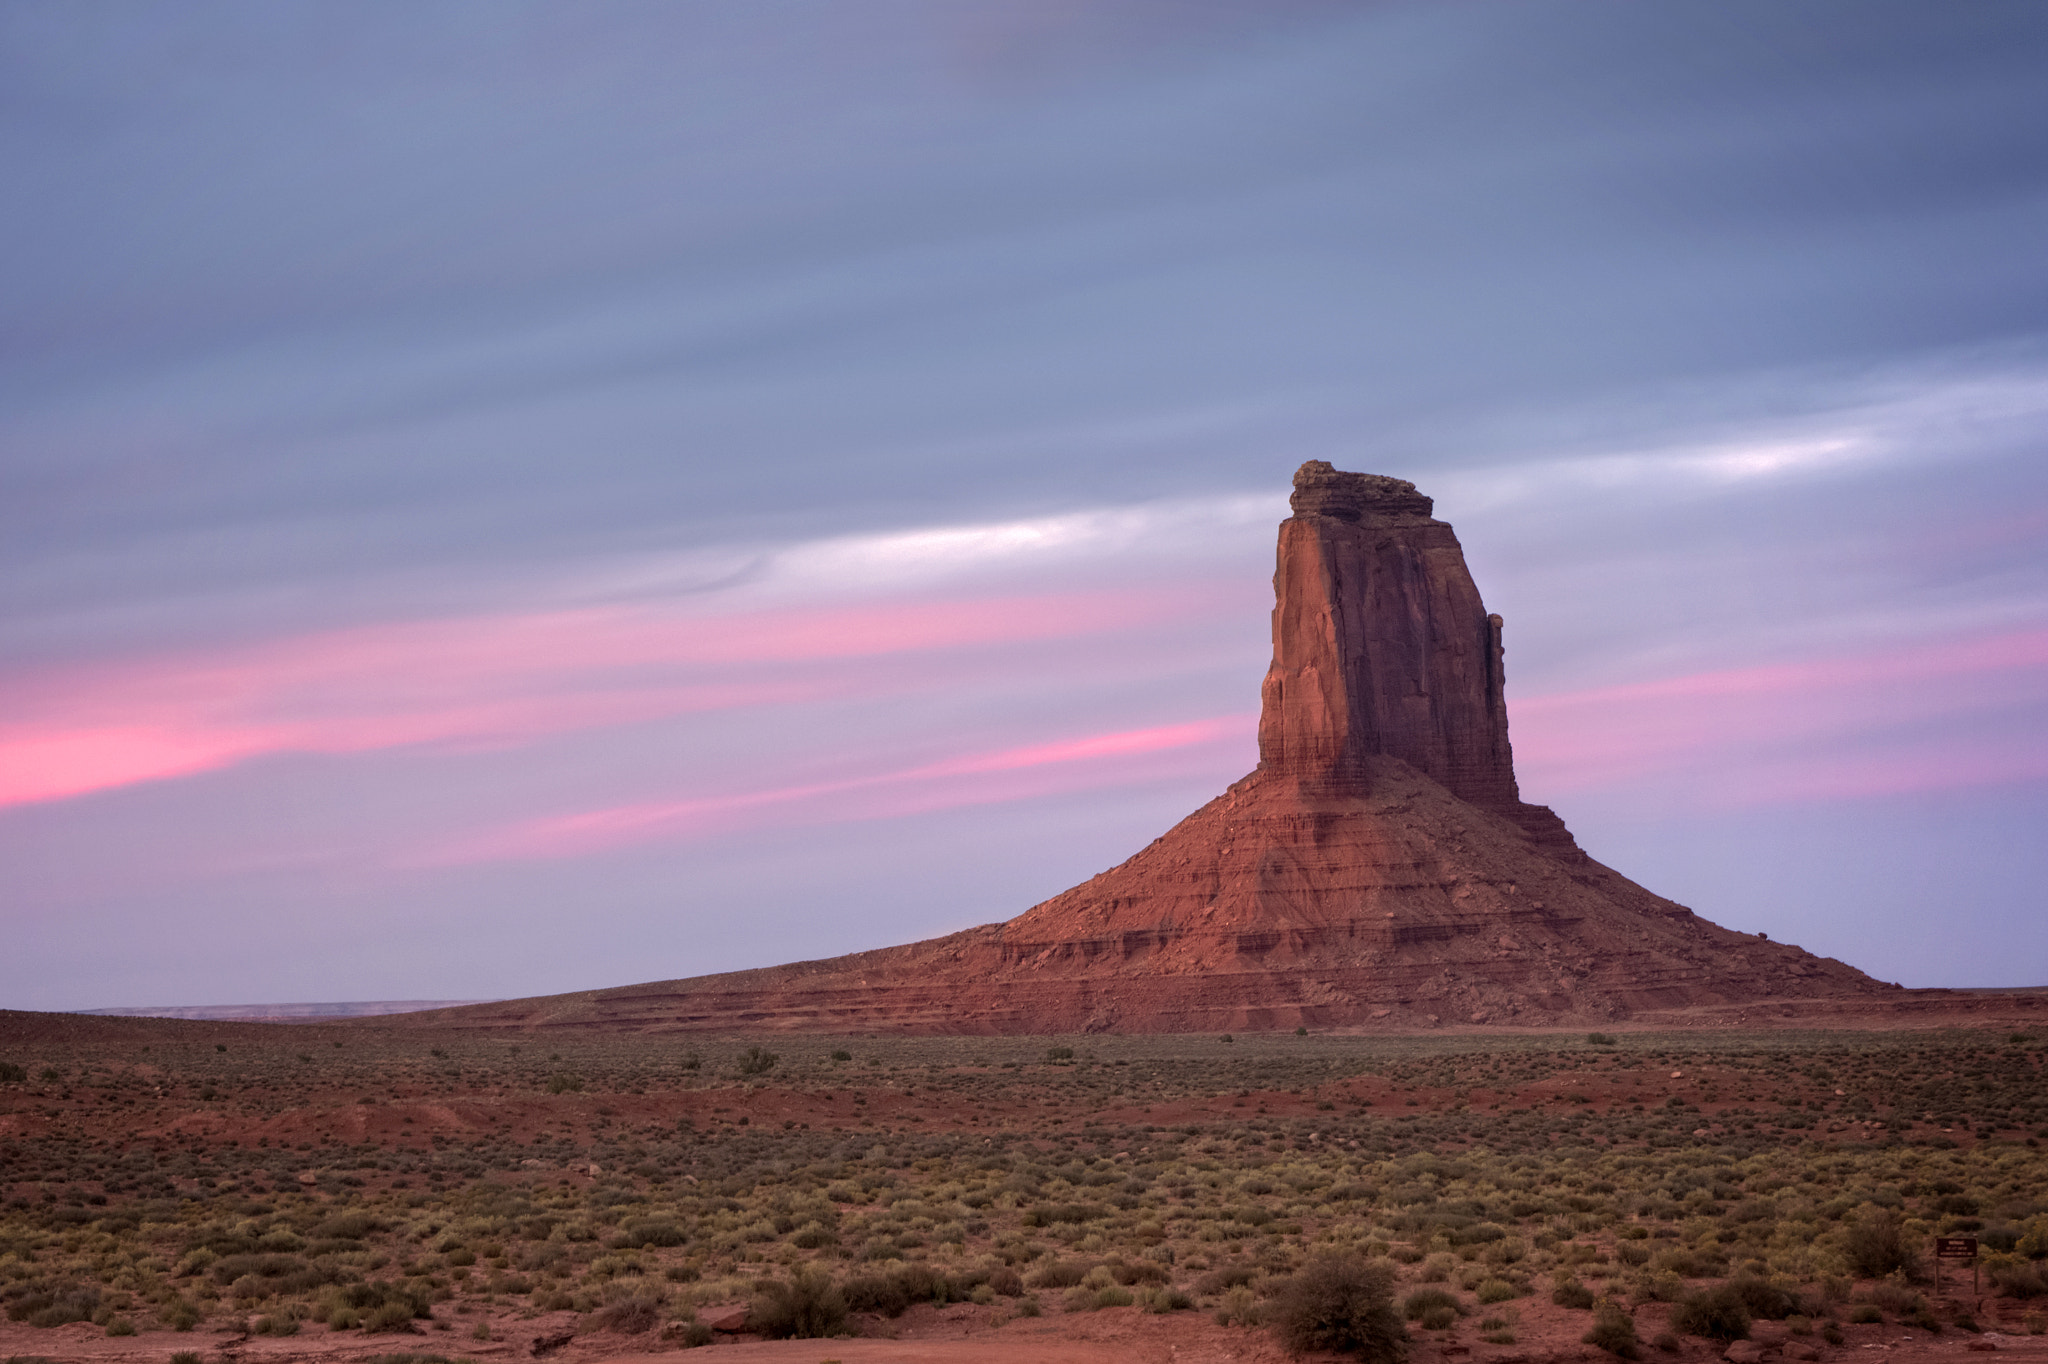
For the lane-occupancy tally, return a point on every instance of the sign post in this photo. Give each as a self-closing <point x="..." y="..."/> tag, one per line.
<point x="1956" y="1248"/>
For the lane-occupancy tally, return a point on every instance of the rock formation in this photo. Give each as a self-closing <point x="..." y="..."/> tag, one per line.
<point x="1378" y="869"/>
<point x="1382" y="648"/>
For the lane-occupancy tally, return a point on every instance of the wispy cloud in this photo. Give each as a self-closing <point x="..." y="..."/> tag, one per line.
<point x="1867" y="724"/>
<point x="500" y="679"/>
<point x="1093" y="760"/>
<point x="1928" y="412"/>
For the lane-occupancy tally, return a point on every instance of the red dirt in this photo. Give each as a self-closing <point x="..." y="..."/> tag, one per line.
<point x="965" y="1334"/>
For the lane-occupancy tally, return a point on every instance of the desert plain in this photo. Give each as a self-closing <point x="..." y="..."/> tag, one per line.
<point x="212" y="1192"/>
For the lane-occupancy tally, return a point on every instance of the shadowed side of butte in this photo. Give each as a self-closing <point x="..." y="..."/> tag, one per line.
<point x="1378" y="869"/>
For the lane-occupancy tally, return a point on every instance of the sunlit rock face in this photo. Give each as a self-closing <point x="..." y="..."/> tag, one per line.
<point x="1378" y="869"/>
<point x="1382" y="648"/>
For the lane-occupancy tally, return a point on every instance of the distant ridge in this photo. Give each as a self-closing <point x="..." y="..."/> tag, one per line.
<point x="283" y="1013"/>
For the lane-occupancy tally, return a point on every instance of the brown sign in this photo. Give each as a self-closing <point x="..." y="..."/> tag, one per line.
<point x="1955" y="1247"/>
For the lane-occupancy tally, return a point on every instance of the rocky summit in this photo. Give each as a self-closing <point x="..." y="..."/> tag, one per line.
<point x="1379" y="869"/>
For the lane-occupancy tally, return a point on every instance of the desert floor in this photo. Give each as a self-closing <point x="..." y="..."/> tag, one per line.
<point x="210" y="1193"/>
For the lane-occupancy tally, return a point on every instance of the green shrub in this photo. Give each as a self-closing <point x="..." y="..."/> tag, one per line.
<point x="373" y="1306"/>
<point x="1240" y="1307"/>
<point x="1717" y="1314"/>
<point x="1865" y="1314"/>
<point x="806" y="1306"/>
<point x="348" y="1226"/>
<point x="757" y="1061"/>
<point x="658" y="1231"/>
<point x="1571" y="1293"/>
<point x="1058" y="1274"/>
<point x="1613" y="1330"/>
<point x="1114" y="1296"/>
<point x="57" y="1306"/>
<point x="1491" y="1291"/>
<point x="12" y="1074"/>
<point x="893" y="1292"/>
<point x="1876" y="1244"/>
<point x="630" y="1316"/>
<point x="1342" y="1303"/>
<point x="186" y="1357"/>
<point x="121" y="1326"/>
<point x="2020" y="1280"/>
<point x="1424" y="1301"/>
<point x="1763" y="1299"/>
<point x="395" y="1315"/>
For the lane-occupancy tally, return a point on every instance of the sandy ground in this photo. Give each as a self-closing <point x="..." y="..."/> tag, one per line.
<point x="966" y="1334"/>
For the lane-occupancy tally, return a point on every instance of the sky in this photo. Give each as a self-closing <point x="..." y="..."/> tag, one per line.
<point x="504" y="498"/>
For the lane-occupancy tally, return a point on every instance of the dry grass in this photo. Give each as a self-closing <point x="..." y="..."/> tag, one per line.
<point x="168" y="1182"/>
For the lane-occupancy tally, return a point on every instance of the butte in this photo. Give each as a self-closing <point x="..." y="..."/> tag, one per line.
<point x="1378" y="870"/>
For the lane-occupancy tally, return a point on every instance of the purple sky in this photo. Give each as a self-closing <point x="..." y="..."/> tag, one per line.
<point x="503" y="498"/>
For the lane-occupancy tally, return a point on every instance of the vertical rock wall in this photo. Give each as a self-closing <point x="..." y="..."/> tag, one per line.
<point x="1381" y="646"/>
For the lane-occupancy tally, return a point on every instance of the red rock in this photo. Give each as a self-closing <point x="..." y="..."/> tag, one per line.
<point x="1382" y="648"/>
<point x="731" y="1317"/>
<point x="1379" y="868"/>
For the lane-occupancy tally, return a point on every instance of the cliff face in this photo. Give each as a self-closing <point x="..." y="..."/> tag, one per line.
<point x="1378" y="869"/>
<point x="1382" y="648"/>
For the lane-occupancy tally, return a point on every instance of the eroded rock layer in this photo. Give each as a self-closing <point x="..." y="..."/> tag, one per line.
<point x="1378" y="869"/>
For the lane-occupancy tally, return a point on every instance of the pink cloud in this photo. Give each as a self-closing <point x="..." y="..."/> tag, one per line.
<point x="1820" y="728"/>
<point x="971" y="779"/>
<point x="495" y="680"/>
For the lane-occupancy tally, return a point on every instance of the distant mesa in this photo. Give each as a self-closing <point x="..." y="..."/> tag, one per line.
<point x="283" y="1013"/>
<point x="1379" y="870"/>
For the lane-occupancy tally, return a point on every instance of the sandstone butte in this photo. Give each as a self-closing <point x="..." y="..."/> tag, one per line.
<point x="1379" y="869"/>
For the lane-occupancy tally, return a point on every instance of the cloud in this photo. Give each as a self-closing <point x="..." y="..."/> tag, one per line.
<point x="1088" y="761"/>
<point x="501" y="679"/>
<point x="1933" y="715"/>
